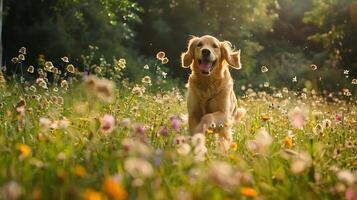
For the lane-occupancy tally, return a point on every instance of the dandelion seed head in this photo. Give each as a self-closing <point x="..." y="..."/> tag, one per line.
<point x="165" y="60"/>
<point x="65" y="59"/>
<point x="15" y="60"/>
<point x="70" y="68"/>
<point x="160" y="55"/>
<point x="146" y="80"/>
<point x="30" y="69"/>
<point x="22" y="50"/>
<point x="313" y="67"/>
<point x="294" y="79"/>
<point x="264" y="69"/>
<point x="21" y="57"/>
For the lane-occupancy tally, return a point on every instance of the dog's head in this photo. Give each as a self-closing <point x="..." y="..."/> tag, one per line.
<point x="206" y="55"/>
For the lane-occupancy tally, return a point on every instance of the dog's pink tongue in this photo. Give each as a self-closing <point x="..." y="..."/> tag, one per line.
<point x="205" y="67"/>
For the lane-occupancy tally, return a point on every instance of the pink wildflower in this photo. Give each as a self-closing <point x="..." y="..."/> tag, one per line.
<point x="107" y="123"/>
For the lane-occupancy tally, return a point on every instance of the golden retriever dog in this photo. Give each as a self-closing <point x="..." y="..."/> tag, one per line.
<point x="211" y="101"/>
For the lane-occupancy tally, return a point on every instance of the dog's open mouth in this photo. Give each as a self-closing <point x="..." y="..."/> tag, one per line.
<point x="206" y="66"/>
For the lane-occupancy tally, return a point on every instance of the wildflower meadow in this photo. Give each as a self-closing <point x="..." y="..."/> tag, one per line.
<point x="67" y="134"/>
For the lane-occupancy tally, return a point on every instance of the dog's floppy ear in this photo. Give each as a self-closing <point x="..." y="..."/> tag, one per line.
<point x="232" y="57"/>
<point x="187" y="57"/>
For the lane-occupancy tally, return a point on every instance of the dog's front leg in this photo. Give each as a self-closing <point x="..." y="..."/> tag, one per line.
<point x="195" y="113"/>
<point x="211" y="119"/>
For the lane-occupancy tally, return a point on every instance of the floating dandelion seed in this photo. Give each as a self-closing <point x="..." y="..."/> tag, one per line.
<point x="264" y="69"/>
<point x="15" y="60"/>
<point x="146" y="80"/>
<point x="41" y="82"/>
<point x="33" y="88"/>
<point x="70" y="68"/>
<point x="65" y="59"/>
<point x="121" y="63"/>
<point x="346" y="92"/>
<point x="55" y="70"/>
<point x="295" y="79"/>
<point x="346" y="72"/>
<point x="313" y="67"/>
<point x="164" y="74"/>
<point x="137" y="90"/>
<point x="354" y="81"/>
<point x="31" y="69"/>
<point x="21" y="57"/>
<point x="146" y="66"/>
<point x="165" y="60"/>
<point x="266" y="84"/>
<point x="22" y="50"/>
<point x="49" y="64"/>
<point x="160" y="55"/>
<point x="64" y="84"/>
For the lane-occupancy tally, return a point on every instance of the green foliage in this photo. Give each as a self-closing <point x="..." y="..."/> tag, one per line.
<point x="319" y="32"/>
<point x="336" y="31"/>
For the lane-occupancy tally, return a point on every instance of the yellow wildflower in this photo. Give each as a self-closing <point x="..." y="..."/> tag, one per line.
<point x="90" y="194"/>
<point x="232" y="157"/>
<point x="25" y="150"/>
<point x="114" y="189"/>
<point x="288" y="141"/>
<point x="265" y="117"/>
<point x="234" y="146"/>
<point x="209" y="131"/>
<point x="80" y="171"/>
<point x="248" y="192"/>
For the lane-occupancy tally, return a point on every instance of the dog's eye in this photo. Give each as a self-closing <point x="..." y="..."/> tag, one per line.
<point x="215" y="46"/>
<point x="199" y="44"/>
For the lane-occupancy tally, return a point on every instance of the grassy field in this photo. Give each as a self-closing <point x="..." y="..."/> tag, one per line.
<point x="93" y="139"/>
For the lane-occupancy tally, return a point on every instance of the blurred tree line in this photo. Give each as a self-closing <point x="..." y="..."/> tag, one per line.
<point x="287" y="36"/>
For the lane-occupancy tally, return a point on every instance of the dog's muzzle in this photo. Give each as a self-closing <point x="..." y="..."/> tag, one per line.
<point x="206" y="65"/>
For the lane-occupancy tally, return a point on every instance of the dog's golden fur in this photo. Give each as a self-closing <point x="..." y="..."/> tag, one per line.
<point x="211" y="99"/>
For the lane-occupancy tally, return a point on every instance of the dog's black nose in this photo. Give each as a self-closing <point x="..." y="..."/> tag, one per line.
<point x="206" y="53"/>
